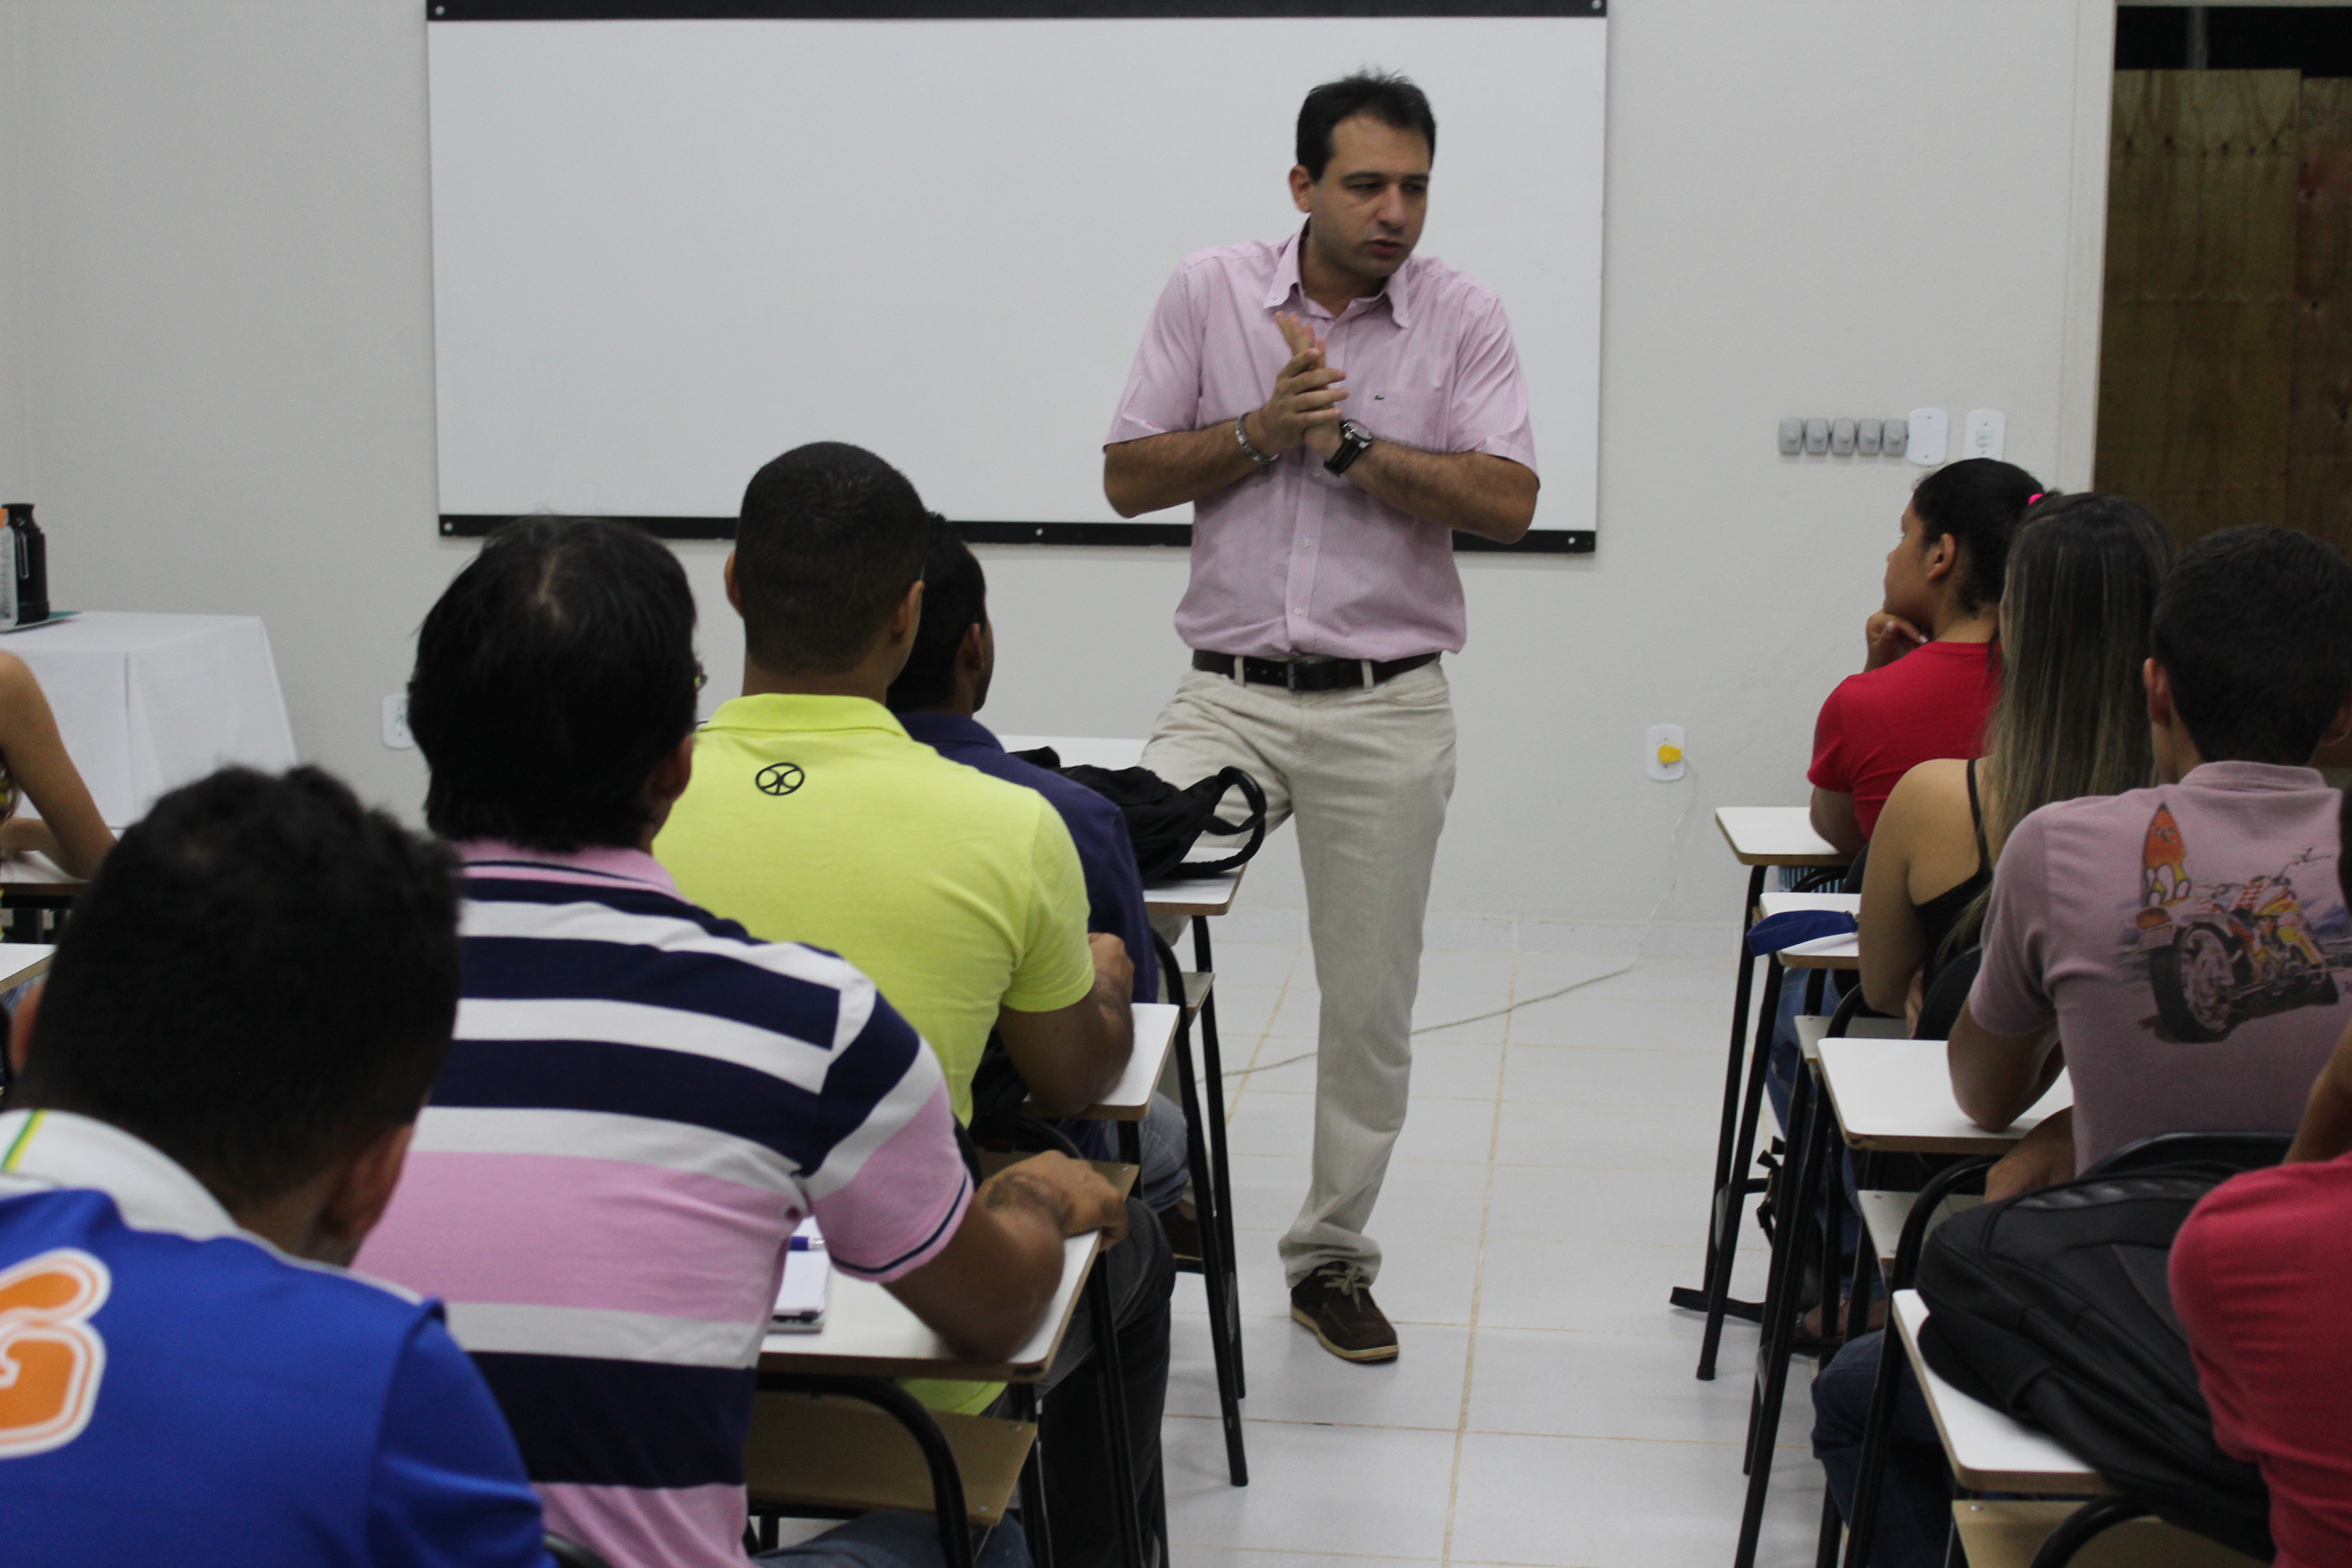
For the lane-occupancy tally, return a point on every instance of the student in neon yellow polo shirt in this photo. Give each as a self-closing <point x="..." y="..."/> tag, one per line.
<point x="817" y="814"/>
<point x="812" y="817"/>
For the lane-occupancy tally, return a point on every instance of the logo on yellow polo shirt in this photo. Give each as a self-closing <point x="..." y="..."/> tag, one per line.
<point x="778" y="778"/>
<point x="50" y="1357"/>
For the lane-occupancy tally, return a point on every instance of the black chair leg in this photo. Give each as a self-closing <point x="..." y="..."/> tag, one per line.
<point x="1035" y="1521"/>
<point x="1216" y="1265"/>
<point x="1857" y="1322"/>
<point x="1111" y="1382"/>
<point x="1212" y="1063"/>
<point x="1795" y="1237"/>
<point x="1727" y="1124"/>
<point x="2078" y="1528"/>
<point x="1729" y="1197"/>
<point x="1877" y="1431"/>
<point x="1833" y="1532"/>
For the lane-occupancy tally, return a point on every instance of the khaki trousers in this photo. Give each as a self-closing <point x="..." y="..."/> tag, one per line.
<point x="1366" y="775"/>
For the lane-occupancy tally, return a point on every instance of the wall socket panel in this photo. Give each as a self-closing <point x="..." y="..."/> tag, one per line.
<point x="1843" y="438"/>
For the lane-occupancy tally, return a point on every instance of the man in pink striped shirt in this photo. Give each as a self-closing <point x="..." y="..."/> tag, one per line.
<point x="1333" y="407"/>
<point x="643" y="1101"/>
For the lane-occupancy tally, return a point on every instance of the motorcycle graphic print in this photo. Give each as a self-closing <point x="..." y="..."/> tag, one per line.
<point x="2218" y="953"/>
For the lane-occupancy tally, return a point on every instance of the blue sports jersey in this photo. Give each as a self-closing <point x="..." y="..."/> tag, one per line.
<point x="174" y="1389"/>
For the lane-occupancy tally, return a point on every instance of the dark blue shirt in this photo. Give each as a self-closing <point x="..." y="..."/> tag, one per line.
<point x="1106" y="854"/>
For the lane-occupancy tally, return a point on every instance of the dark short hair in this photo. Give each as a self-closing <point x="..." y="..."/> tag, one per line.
<point x="1978" y="502"/>
<point x="554" y="675"/>
<point x="955" y="600"/>
<point x="261" y="978"/>
<point x="831" y="539"/>
<point x="2254" y="627"/>
<point x="1391" y="98"/>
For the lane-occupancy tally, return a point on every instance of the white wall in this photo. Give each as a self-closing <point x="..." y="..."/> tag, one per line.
<point x="15" y="437"/>
<point x="1815" y="208"/>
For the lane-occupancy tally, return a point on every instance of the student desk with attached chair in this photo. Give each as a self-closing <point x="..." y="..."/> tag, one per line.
<point x="1992" y="1452"/>
<point x="816" y="1448"/>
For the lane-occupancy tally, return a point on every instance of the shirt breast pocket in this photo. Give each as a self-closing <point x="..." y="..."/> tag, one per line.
<point x="1411" y="415"/>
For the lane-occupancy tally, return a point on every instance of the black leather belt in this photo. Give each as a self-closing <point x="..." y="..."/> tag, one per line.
<point x="1307" y="675"/>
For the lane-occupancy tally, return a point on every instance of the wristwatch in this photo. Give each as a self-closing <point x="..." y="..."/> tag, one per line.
<point x="1354" y="442"/>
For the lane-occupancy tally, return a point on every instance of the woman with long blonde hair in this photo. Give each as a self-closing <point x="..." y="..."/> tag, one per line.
<point x="2072" y="720"/>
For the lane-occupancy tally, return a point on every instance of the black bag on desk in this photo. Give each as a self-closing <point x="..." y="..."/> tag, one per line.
<point x="1164" y="822"/>
<point x="2055" y="1307"/>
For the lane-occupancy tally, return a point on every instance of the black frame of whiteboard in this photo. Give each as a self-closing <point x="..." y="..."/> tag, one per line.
<point x="978" y="10"/>
<point x="474" y="525"/>
<point x="1537" y="542"/>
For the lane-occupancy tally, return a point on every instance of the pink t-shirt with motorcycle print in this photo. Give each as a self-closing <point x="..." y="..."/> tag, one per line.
<point x="2188" y="941"/>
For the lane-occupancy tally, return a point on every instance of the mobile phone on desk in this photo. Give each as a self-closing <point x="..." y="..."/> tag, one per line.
<point x="807" y="1283"/>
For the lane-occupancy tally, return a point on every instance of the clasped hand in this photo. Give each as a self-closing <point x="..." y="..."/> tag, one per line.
<point x="1887" y="637"/>
<point x="1304" y="408"/>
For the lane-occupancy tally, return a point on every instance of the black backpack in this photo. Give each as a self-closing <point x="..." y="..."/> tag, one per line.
<point x="1165" y="822"/>
<point x="2055" y="1306"/>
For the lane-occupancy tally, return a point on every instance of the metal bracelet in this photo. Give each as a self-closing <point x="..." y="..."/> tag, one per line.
<point x="1260" y="458"/>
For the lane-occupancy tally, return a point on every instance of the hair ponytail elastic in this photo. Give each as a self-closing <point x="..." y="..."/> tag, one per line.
<point x="2036" y="496"/>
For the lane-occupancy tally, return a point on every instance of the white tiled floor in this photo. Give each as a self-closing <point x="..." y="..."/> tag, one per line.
<point x="1548" y="1188"/>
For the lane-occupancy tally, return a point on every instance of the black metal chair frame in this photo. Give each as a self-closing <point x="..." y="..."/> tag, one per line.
<point x="947" y="1479"/>
<point x="1735" y="1141"/>
<point x="1204" y="1141"/>
<point x="1721" y="1200"/>
<point x="1812" y="1147"/>
<point x="1878" y="1430"/>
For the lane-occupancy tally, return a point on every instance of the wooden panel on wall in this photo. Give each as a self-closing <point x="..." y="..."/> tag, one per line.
<point x="2319" y="430"/>
<point x="2195" y="370"/>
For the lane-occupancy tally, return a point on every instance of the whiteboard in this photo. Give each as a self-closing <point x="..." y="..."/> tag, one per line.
<point x="666" y="252"/>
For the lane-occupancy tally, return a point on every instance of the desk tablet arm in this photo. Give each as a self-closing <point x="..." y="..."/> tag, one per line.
<point x="946" y="1481"/>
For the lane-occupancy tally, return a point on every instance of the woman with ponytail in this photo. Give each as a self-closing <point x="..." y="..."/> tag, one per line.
<point x="1930" y="672"/>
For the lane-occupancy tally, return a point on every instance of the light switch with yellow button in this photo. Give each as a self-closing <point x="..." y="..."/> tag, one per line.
<point x="1664" y="758"/>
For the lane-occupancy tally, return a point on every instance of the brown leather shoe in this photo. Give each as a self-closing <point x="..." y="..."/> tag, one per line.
<point x="1183" y="1227"/>
<point x="1336" y="1301"/>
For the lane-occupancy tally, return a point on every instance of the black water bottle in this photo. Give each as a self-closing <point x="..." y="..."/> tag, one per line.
<point x="30" y="553"/>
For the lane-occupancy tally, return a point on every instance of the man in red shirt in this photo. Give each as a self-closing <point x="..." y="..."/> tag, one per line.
<point x="2259" y="1276"/>
<point x="1931" y="672"/>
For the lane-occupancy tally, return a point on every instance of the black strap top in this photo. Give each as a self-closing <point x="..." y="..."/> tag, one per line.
<point x="1939" y="914"/>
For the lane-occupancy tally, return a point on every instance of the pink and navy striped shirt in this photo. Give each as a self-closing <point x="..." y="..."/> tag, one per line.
<point x="641" y="1104"/>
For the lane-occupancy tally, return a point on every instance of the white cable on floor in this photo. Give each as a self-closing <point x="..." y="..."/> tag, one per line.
<point x="1674" y="876"/>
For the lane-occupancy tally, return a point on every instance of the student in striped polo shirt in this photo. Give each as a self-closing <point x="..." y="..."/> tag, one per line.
<point x="643" y="1101"/>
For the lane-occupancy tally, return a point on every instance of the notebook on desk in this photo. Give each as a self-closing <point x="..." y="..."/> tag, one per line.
<point x="807" y="1283"/>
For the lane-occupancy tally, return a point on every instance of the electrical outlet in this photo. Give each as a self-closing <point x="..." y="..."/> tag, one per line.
<point x="396" y="724"/>
<point x="1662" y="757"/>
<point x="1927" y="428"/>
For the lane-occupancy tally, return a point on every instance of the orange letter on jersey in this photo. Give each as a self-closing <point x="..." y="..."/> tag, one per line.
<point x="50" y="1357"/>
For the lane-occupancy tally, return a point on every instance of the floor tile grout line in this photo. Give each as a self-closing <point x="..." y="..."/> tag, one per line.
<point x="1257" y="1044"/>
<point x="1791" y="1446"/>
<point x="1477" y="1288"/>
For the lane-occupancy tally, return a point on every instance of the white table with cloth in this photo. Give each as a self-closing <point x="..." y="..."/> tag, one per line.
<point x="148" y="702"/>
